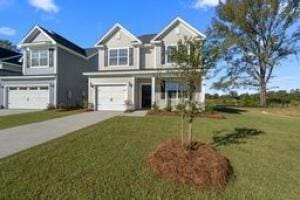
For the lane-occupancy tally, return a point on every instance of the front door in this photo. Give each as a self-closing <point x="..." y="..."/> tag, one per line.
<point x="146" y="96"/>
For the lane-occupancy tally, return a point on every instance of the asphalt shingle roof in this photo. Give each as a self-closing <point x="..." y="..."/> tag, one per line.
<point x="90" y="51"/>
<point x="146" y="38"/>
<point x="6" y="53"/>
<point x="65" y="42"/>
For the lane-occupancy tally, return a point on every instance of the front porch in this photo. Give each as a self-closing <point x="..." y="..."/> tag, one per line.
<point x="135" y="92"/>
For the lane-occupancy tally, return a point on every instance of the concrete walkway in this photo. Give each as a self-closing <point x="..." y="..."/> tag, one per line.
<point x="4" y="112"/>
<point x="17" y="139"/>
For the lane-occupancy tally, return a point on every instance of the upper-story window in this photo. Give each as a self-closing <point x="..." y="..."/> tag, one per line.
<point x="39" y="58"/>
<point x="118" y="56"/>
<point x="169" y="51"/>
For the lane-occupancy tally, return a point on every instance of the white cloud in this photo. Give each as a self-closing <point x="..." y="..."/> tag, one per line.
<point x="45" y="5"/>
<point x="198" y="4"/>
<point x="7" y="31"/>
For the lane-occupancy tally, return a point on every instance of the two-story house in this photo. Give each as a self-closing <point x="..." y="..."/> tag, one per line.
<point x="51" y="73"/>
<point x="136" y="71"/>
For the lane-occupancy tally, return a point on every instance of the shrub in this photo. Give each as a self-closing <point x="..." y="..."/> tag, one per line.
<point x="168" y="108"/>
<point x="155" y="106"/>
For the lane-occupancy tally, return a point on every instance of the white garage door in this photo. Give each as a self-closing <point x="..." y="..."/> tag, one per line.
<point x="28" y="97"/>
<point x="112" y="97"/>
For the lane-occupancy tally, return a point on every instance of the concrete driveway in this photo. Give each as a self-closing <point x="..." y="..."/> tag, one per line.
<point x="19" y="138"/>
<point x="4" y="112"/>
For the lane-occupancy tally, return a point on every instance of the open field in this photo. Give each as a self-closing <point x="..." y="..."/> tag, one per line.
<point x="107" y="160"/>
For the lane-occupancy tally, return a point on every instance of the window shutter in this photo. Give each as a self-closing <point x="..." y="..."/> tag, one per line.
<point x="163" y="54"/>
<point x="105" y="57"/>
<point x="27" y="59"/>
<point x="51" y="57"/>
<point x="130" y="56"/>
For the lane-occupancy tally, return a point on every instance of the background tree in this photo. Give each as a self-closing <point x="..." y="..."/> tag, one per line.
<point x="254" y="37"/>
<point x="8" y="45"/>
<point x="193" y="58"/>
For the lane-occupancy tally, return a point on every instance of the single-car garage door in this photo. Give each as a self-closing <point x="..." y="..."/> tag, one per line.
<point x="28" y="97"/>
<point x="112" y="97"/>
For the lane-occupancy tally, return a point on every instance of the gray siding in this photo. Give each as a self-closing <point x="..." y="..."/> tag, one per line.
<point x="70" y="78"/>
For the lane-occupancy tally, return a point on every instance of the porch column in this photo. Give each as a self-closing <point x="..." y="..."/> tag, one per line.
<point x="133" y="92"/>
<point x="152" y="90"/>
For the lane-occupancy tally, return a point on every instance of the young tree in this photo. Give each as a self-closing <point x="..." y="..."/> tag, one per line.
<point x="255" y="36"/>
<point x="193" y="59"/>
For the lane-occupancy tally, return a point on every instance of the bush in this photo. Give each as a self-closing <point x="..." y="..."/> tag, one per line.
<point x="155" y="106"/>
<point x="180" y="107"/>
<point x="168" y="108"/>
<point x="50" y="107"/>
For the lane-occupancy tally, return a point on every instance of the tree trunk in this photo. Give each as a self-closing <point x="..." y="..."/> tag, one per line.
<point x="182" y="128"/>
<point x="263" y="94"/>
<point x="190" y="133"/>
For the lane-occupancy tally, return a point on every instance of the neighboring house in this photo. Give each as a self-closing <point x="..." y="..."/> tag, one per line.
<point x="10" y="64"/>
<point x="51" y="73"/>
<point x="137" y="72"/>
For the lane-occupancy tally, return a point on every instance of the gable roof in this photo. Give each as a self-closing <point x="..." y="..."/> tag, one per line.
<point x="173" y="23"/>
<point x="7" y="53"/>
<point x="56" y="38"/>
<point x="146" y="39"/>
<point x="91" y="51"/>
<point x="115" y="28"/>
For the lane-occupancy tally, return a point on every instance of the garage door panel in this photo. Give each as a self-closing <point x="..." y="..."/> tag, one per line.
<point x="28" y="98"/>
<point x="112" y="97"/>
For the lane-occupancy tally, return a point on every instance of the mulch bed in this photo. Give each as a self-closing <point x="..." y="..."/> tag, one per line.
<point x="213" y="115"/>
<point x="201" y="167"/>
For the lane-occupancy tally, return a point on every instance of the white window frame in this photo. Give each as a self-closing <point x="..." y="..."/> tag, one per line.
<point x="166" y="52"/>
<point x="118" y="56"/>
<point x="39" y="58"/>
<point x="177" y="90"/>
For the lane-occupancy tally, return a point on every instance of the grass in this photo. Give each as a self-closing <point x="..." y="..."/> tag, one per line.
<point x="284" y="112"/>
<point x="10" y="121"/>
<point x="107" y="160"/>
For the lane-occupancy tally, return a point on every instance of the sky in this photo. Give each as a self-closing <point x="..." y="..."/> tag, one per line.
<point x="84" y="22"/>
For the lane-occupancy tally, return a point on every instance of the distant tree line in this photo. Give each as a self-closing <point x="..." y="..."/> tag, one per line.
<point x="280" y="98"/>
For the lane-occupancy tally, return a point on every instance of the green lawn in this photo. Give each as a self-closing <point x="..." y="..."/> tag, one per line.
<point x="10" y="121"/>
<point x="107" y="160"/>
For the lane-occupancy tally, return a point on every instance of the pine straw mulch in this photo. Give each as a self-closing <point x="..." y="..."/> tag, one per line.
<point x="201" y="167"/>
<point x="213" y="115"/>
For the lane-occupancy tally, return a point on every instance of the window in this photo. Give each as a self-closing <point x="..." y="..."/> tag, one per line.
<point x="118" y="57"/>
<point x="39" y="58"/>
<point x="170" y="50"/>
<point x="173" y="90"/>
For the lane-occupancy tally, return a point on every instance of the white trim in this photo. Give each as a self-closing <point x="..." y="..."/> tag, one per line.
<point x="7" y="86"/>
<point x="129" y="72"/>
<point x="96" y="86"/>
<point x="116" y="26"/>
<point x="39" y="56"/>
<point x="118" y="49"/>
<point x="166" y="54"/>
<point x="8" y="58"/>
<point x="140" y="94"/>
<point x="32" y="30"/>
<point x="177" y="19"/>
<point x="26" y="77"/>
<point x="133" y="84"/>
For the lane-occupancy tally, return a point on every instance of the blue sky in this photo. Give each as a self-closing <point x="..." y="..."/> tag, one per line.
<point x="84" y="23"/>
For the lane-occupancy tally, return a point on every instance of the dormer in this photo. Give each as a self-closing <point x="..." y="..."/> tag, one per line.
<point x="119" y="49"/>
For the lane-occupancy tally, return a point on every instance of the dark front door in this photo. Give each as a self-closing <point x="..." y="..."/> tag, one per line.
<point x="146" y="96"/>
